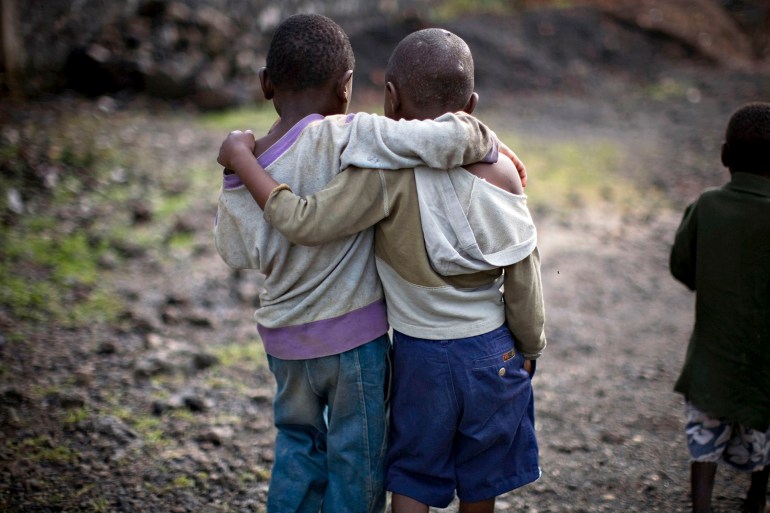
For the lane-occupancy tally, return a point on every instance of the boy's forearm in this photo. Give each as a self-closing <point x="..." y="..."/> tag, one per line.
<point x="524" y="305"/>
<point x="351" y="202"/>
<point x="254" y="177"/>
<point x="449" y="141"/>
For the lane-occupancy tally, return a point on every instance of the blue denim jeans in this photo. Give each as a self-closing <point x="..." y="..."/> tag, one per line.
<point x="331" y="417"/>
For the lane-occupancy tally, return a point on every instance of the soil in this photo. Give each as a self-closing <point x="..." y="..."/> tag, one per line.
<point x="168" y="409"/>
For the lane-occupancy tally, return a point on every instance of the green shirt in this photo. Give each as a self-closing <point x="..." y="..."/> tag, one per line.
<point x="722" y="252"/>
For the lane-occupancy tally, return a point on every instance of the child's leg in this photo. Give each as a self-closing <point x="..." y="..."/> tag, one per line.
<point x="756" y="498"/>
<point x="299" y="476"/>
<point x="702" y="484"/>
<point x="403" y="504"/>
<point x="357" y="437"/>
<point x="487" y="506"/>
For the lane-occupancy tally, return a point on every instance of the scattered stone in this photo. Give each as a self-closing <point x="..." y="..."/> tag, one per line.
<point x="216" y="435"/>
<point x="200" y="319"/>
<point x="613" y="438"/>
<point x="106" y="347"/>
<point x="203" y="361"/>
<point x="64" y="400"/>
<point x="196" y="404"/>
<point x="141" y="211"/>
<point x="262" y="397"/>
<point x="153" y="366"/>
<point x="113" y="427"/>
<point x="12" y="397"/>
<point x="186" y="399"/>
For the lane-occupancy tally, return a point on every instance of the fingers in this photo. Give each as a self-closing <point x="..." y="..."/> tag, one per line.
<point x="520" y="168"/>
<point x="235" y="142"/>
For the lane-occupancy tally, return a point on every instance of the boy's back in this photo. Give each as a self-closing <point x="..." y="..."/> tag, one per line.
<point x="722" y="252"/>
<point x="298" y="280"/>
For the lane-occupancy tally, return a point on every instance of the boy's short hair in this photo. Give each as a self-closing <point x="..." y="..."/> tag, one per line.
<point x="433" y="67"/>
<point x="308" y="50"/>
<point x="747" y="139"/>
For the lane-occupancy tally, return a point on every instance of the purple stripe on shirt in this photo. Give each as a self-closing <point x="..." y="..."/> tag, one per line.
<point x="326" y="337"/>
<point x="276" y="150"/>
<point x="285" y="142"/>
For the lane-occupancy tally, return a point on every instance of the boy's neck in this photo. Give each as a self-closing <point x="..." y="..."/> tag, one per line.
<point x="293" y="107"/>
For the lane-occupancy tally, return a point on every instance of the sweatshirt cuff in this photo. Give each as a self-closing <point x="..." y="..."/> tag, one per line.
<point x="493" y="153"/>
<point x="267" y="213"/>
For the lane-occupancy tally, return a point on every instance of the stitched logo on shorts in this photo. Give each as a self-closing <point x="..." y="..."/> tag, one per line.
<point x="510" y="354"/>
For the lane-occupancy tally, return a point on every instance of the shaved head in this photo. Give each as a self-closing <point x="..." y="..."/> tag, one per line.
<point x="433" y="68"/>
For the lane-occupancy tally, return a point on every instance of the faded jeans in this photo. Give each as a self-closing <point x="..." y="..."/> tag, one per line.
<point x="331" y="417"/>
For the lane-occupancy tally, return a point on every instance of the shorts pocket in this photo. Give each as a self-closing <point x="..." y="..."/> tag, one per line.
<point x="499" y="359"/>
<point x="498" y="385"/>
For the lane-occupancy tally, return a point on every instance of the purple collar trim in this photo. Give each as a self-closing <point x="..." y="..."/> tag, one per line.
<point x="276" y="150"/>
<point x="284" y="143"/>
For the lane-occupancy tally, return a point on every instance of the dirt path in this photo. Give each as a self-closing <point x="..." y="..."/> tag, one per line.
<point x="168" y="408"/>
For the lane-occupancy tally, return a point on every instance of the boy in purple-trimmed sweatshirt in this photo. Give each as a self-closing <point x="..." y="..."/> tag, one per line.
<point x="322" y="314"/>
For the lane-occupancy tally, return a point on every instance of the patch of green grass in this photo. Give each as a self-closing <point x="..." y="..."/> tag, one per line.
<point x="667" y="89"/>
<point x="49" y="256"/>
<point x="567" y="174"/>
<point x="238" y="354"/>
<point x="151" y="431"/>
<point x="100" y="505"/>
<point x="76" y="415"/>
<point x="451" y="9"/>
<point x="180" y="482"/>
<point x="52" y="276"/>
<point x="258" y="118"/>
<point x="43" y="449"/>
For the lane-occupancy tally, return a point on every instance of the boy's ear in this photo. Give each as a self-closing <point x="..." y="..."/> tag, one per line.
<point x="266" y="83"/>
<point x="727" y="156"/>
<point x="392" y="97"/>
<point x="472" y="102"/>
<point x="345" y="86"/>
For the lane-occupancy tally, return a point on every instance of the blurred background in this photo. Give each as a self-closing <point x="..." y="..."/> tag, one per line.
<point x="208" y="51"/>
<point x="131" y="376"/>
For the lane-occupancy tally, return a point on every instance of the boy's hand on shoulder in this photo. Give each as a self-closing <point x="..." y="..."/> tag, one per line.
<point x="503" y="174"/>
<point x="238" y="145"/>
<point x="520" y="168"/>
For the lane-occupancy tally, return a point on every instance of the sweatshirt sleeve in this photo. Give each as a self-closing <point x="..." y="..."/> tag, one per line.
<point x="351" y="202"/>
<point x="682" y="258"/>
<point x="235" y="230"/>
<point x="524" y="305"/>
<point x="449" y="141"/>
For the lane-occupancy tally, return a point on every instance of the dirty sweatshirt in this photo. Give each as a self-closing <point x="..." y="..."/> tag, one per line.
<point x="495" y="225"/>
<point x="325" y="300"/>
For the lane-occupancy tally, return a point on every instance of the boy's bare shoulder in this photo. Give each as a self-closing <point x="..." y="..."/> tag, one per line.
<point x="502" y="173"/>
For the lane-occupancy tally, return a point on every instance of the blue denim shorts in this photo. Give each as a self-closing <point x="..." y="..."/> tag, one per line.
<point x="462" y="419"/>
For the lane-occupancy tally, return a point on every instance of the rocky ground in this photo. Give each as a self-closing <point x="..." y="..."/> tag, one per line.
<point x="165" y="404"/>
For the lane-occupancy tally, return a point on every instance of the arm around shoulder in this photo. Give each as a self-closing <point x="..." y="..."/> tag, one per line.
<point x="448" y="141"/>
<point x="353" y="201"/>
<point x="502" y="174"/>
<point x="524" y="305"/>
